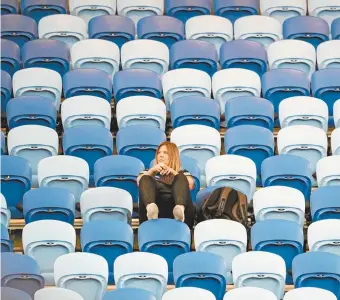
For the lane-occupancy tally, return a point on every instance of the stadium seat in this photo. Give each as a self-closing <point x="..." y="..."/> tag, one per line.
<point x="165" y="29"/>
<point x="279" y="202"/>
<point x="186" y="9"/>
<point x="336" y="113"/>
<point x="260" y="269"/>
<point x="5" y="213"/>
<point x="6" y="243"/>
<point x="53" y="293"/>
<point x="309" y="293"/>
<point x="45" y="241"/>
<point x="185" y="82"/>
<point x="194" y="54"/>
<point x="116" y="29"/>
<point x="6" y="90"/>
<point x="185" y="293"/>
<point x="139" y="141"/>
<point x="249" y="110"/>
<point x="328" y="55"/>
<point x="199" y="142"/>
<point x="141" y="110"/>
<point x="96" y="54"/>
<point x="310" y="29"/>
<point x="106" y="203"/>
<point x="327" y="170"/>
<point x="16" y="177"/>
<point x="37" y="10"/>
<point x="324" y="203"/>
<point x="328" y="10"/>
<point x="3" y="144"/>
<point x="65" y="28"/>
<point x="201" y="270"/>
<point x="83" y="273"/>
<point x="222" y="237"/>
<point x="335" y="29"/>
<point x="281" y="237"/>
<point x="34" y="143"/>
<point x="107" y="238"/>
<point x="195" y="110"/>
<point x="18" y="28"/>
<point x="165" y="237"/>
<point x="244" y="54"/>
<point x="38" y="82"/>
<point x="143" y="270"/>
<point x="12" y="293"/>
<point x="145" y="54"/>
<point x="245" y="293"/>
<point x="10" y="57"/>
<point x="21" y="272"/>
<point x="131" y="293"/>
<point x="9" y="7"/>
<point x="335" y="141"/>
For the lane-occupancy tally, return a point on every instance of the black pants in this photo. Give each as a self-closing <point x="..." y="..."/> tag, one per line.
<point x="166" y="198"/>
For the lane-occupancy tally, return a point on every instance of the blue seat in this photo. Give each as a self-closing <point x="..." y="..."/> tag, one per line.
<point x="167" y="30"/>
<point x="16" y="177"/>
<point x="128" y="294"/>
<point x="6" y="243"/>
<point x="317" y="269"/>
<point x="22" y="272"/>
<point x="281" y="237"/>
<point x="10" y="56"/>
<point x="310" y="29"/>
<point x="107" y="238"/>
<point x="195" y="110"/>
<point x="6" y="90"/>
<point x="139" y="141"/>
<point x="50" y="54"/>
<point x="14" y="294"/>
<point x="194" y="54"/>
<point x="165" y="237"/>
<point x="201" y="270"/>
<point x="324" y="203"/>
<point x="186" y="9"/>
<point x="91" y="82"/>
<point x="136" y="82"/>
<point x="287" y="170"/>
<point x="19" y="29"/>
<point x="36" y="9"/>
<point x="49" y="204"/>
<point x="190" y="164"/>
<point x="336" y="29"/>
<point x="9" y="7"/>
<point x="31" y="110"/>
<point x="235" y="9"/>
<point x="3" y="143"/>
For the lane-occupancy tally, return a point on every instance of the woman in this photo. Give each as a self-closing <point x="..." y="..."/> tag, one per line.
<point x="164" y="190"/>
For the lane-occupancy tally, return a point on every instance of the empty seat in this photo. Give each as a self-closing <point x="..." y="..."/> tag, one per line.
<point x="184" y="293"/>
<point x="13" y="293"/>
<point x="37" y="10"/>
<point x="130" y="293"/>
<point x="309" y="293"/>
<point x="336" y="29"/>
<point x="260" y="269"/>
<point x="336" y="113"/>
<point x="335" y="141"/>
<point x="65" y="28"/>
<point x="3" y="144"/>
<point x="9" y="7"/>
<point x="328" y="10"/>
<point x="18" y="28"/>
<point x="6" y="90"/>
<point x="83" y="273"/>
<point x="328" y="171"/>
<point x="53" y="293"/>
<point x="38" y="82"/>
<point x="5" y="213"/>
<point x="324" y="203"/>
<point x="141" y="110"/>
<point x="310" y="29"/>
<point x="222" y="237"/>
<point x="192" y="166"/>
<point x="244" y="293"/>
<point x="10" y="57"/>
<point x="6" y="243"/>
<point x="328" y="55"/>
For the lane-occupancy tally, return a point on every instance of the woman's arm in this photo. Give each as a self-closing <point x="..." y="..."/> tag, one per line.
<point x="191" y="182"/>
<point x="151" y="172"/>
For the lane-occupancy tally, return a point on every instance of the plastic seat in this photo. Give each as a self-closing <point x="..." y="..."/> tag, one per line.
<point x="328" y="55"/>
<point x="45" y="241"/>
<point x="328" y="10"/>
<point x="324" y="203"/>
<point x="18" y="28"/>
<point x="86" y="110"/>
<point x="12" y="293"/>
<point x="336" y="113"/>
<point x="260" y="269"/>
<point x="37" y="10"/>
<point x="5" y="213"/>
<point x="21" y="272"/>
<point x="184" y="293"/>
<point x="233" y="10"/>
<point x="10" y="56"/>
<point x="245" y="293"/>
<point x="38" y="82"/>
<point x="141" y="110"/>
<point x="9" y="7"/>
<point x="6" y="90"/>
<point x="56" y="294"/>
<point x="222" y="237"/>
<point x="83" y="273"/>
<point x="194" y="54"/>
<point x="328" y="172"/>
<point x="335" y="141"/>
<point x="96" y="54"/>
<point x="185" y="82"/>
<point x="310" y="29"/>
<point x="6" y="243"/>
<point x="192" y="166"/>
<point x="309" y="293"/>
<point x="335" y="29"/>
<point x="3" y="144"/>
<point x="130" y="293"/>
<point x="244" y="54"/>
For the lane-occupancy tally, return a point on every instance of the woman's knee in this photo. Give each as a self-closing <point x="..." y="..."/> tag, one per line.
<point x="145" y="179"/>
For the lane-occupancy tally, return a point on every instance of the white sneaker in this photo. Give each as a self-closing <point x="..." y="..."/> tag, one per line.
<point x="179" y="213"/>
<point x="152" y="211"/>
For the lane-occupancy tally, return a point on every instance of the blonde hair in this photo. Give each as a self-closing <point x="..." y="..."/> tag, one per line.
<point x="174" y="158"/>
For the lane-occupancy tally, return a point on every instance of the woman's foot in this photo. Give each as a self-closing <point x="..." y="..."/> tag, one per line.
<point x="179" y="213"/>
<point x="152" y="211"/>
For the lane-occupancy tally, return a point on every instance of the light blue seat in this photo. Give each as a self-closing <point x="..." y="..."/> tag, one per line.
<point x="14" y="294"/>
<point x="6" y="90"/>
<point x="37" y="10"/>
<point x="10" y="56"/>
<point x="9" y="7"/>
<point x="55" y="293"/>
<point x="336" y="29"/>
<point x="6" y="243"/>
<point x="4" y="212"/>
<point x="324" y="203"/>
<point x="186" y="9"/>
<point x="3" y="144"/>
<point x="128" y="294"/>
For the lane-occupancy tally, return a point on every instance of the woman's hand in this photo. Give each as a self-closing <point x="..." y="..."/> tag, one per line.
<point x="167" y="171"/>
<point x="158" y="168"/>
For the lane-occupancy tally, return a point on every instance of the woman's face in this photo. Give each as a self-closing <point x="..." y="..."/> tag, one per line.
<point x="162" y="155"/>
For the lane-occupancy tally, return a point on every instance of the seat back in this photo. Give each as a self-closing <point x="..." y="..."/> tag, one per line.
<point x="6" y="243"/>
<point x="329" y="10"/>
<point x="335" y="29"/>
<point x="6" y="90"/>
<point x="327" y="56"/>
<point x="245" y="292"/>
<point x="185" y="292"/>
<point x="323" y="203"/>
<point x="12" y="293"/>
<point x="309" y="292"/>
<point x="327" y="171"/>
<point x="10" y="56"/>
<point x="9" y="7"/>
<point x="129" y="293"/>
<point x="53" y="293"/>
<point x="4" y="212"/>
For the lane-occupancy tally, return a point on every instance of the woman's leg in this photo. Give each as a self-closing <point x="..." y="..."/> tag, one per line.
<point x="147" y="208"/>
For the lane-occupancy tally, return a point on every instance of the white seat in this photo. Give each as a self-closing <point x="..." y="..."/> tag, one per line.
<point x="96" y="54"/>
<point x="143" y="270"/>
<point x="141" y="110"/>
<point x="246" y="293"/>
<point x="292" y="54"/>
<point x="336" y="113"/>
<point x="279" y="202"/>
<point x="328" y="171"/>
<point x="328" y="54"/>
<point x="185" y="82"/>
<point x="5" y="213"/>
<point x="54" y="293"/>
<point x="231" y="83"/>
<point x="45" y="241"/>
<point x="303" y="110"/>
<point x="262" y="29"/>
<point x="328" y="10"/>
<point x="235" y="171"/>
<point x="65" y="28"/>
<point x="223" y="237"/>
<point x="145" y="54"/>
<point x="186" y="293"/>
<point x="86" y="110"/>
<point x="83" y="273"/>
<point x="38" y="82"/>
<point x="106" y="203"/>
<point x="260" y="269"/>
<point x="309" y="293"/>
<point x="199" y="142"/>
<point x="335" y="141"/>
<point x="34" y="143"/>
